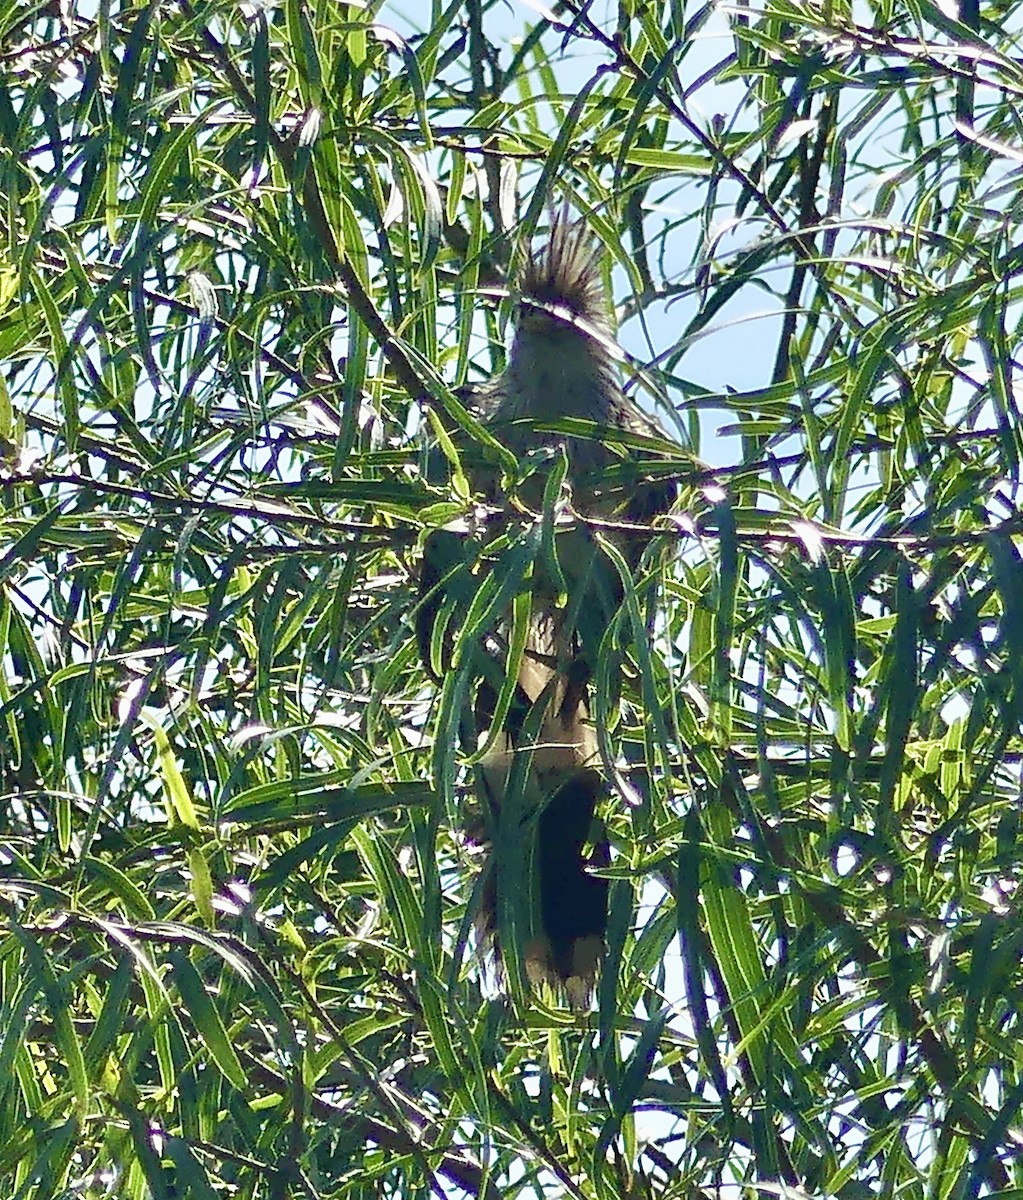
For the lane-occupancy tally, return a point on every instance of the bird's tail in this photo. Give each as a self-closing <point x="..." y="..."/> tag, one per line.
<point x="565" y="909"/>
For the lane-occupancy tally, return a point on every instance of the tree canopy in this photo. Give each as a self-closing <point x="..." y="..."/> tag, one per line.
<point x="250" y="254"/>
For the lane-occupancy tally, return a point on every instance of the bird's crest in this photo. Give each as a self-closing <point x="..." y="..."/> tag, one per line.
<point x="564" y="279"/>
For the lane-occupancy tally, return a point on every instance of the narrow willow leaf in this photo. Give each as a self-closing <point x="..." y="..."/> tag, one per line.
<point x="206" y="1019"/>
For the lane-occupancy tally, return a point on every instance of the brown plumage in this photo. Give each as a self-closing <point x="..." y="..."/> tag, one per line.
<point x="562" y="364"/>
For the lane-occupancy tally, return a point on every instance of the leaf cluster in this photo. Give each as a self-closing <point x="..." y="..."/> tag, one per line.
<point x="244" y="248"/>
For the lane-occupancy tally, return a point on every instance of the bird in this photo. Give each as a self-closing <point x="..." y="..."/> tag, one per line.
<point x="562" y="366"/>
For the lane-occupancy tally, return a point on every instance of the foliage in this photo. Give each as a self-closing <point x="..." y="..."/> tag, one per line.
<point x="242" y="245"/>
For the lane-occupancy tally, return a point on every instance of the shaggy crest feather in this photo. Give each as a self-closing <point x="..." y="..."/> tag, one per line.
<point x="564" y="279"/>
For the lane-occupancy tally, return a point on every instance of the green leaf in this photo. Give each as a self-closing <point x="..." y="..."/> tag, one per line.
<point x="207" y="1020"/>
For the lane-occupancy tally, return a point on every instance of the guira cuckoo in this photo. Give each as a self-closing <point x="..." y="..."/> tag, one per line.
<point x="553" y="606"/>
